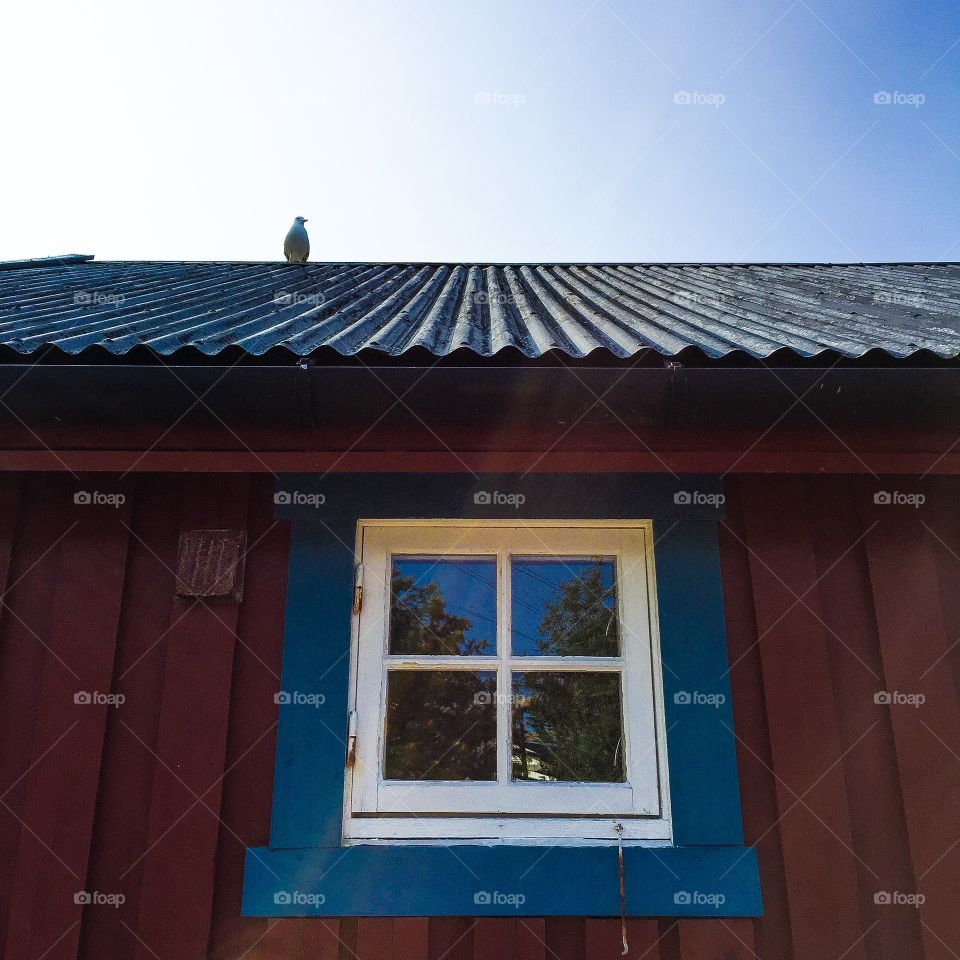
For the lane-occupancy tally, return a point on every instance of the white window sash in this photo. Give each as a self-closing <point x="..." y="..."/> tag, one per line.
<point x="404" y="808"/>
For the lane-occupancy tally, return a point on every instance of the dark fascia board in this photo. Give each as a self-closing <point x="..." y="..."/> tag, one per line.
<point x="311" y="396"/>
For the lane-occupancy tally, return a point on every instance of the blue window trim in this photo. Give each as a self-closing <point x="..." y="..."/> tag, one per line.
<point x="307" y="871"/>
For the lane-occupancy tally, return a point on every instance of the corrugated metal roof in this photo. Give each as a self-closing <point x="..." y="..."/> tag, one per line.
<point x="575" y="308"/>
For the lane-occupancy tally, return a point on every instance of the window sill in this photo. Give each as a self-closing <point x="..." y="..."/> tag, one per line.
<point x="513" y="830"/>
<point x="503" y="842"/>
<point x="489" y="879"/>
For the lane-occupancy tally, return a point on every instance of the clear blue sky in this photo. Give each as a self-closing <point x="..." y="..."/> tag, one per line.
<point x="541" y="130"/>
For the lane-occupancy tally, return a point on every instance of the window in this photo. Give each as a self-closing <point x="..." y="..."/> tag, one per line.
<point x="506" y="683"/>
<point x="352" y="841"/>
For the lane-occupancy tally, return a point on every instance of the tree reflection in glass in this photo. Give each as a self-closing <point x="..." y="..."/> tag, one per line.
<point x="443" y="606"/>
<point x="564" y="607"/>
<point x="441" y="725"/>
<point x="567" y="726"/>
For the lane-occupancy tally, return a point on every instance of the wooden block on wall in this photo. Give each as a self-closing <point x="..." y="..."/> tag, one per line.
<point x="210" y="564"/>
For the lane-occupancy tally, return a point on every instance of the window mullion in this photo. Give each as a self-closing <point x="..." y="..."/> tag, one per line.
<point x="570" y="664"/>
<point x="504" y="688"/>
<point x="429" y="662"/>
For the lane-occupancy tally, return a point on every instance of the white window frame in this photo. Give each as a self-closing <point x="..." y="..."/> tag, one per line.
<point x="637" y="810"/>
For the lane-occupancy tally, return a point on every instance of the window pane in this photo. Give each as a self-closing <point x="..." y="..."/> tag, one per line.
<point x="443" y="606"/>
<point x="567" y="726"/>
<point x="441" y="725"/>
<point x="564" y="607"/>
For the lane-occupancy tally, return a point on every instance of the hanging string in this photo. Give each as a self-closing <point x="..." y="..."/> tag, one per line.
<point x="623" y="891"/>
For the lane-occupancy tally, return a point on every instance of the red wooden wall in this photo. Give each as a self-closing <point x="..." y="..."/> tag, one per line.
<point x="830" y="600"/>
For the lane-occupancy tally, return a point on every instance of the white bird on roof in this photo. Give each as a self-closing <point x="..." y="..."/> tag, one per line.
<point x="296" y="244"/>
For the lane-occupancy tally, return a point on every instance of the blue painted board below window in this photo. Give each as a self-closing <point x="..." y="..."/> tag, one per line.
<point x="482" y="880"/>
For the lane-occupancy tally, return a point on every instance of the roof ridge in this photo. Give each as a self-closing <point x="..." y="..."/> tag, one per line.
<point x="83" y="258"/>
<point x="66" y="260"/>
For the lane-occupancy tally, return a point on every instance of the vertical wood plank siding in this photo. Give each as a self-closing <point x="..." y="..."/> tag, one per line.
<point x="829" y="601"/>
<point x="812" y="801"/>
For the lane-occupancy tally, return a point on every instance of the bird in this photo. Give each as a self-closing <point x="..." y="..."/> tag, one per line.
<point x="296" y="244"/>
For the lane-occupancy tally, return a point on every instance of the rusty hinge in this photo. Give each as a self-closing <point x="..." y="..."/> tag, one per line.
<point x="358" y="589"/>
<point x="352" y="739"/>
